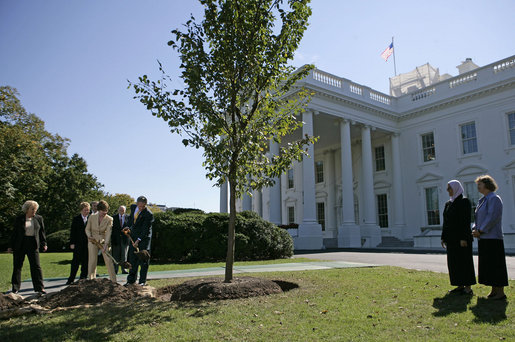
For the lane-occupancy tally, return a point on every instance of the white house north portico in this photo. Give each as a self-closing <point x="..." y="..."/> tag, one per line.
<point x="377" y="175"/>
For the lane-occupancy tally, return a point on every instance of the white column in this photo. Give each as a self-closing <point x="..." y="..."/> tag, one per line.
<point x="348" y="232"/>
<point x="258" y="202"/>
<point x="369" y="230"/>
<point x="398" y="203"/>
<point x="330" y="184"/>
<point x="310" y="232"/>
<point x="223" y="198"/>
<point x="275" y="190"/>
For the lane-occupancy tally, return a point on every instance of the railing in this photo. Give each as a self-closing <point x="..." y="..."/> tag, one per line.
<point x="380" y="98"/>
<point x="462" y="80"/>
<point x="326" y="78"/>
<point x="504" y="65"/>
<point x="422" y="94"/>
<point x="356" y="89"/>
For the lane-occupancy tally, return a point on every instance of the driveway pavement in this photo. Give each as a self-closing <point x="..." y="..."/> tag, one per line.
<point x="436" y="262"/>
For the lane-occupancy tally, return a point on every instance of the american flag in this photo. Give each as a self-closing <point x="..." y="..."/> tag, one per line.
<point x="387" y="52"/>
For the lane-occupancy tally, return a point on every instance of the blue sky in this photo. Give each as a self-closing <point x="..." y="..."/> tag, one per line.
<point x="70" y="61"/>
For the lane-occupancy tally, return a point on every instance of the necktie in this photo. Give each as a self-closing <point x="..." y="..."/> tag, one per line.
<point x="136" y="216"/>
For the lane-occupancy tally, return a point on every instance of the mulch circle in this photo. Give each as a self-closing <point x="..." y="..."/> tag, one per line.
<point x="216" y="289"/>
<point x="88" y="292"/>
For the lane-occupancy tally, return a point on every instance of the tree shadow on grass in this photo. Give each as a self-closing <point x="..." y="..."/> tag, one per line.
<point x="97" y="323"/>
<point x="451" y="303"/>
<point x="489" y="311"/>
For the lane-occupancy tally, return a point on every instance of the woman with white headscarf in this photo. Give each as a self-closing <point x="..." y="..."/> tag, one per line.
<point x="457" y="239"/>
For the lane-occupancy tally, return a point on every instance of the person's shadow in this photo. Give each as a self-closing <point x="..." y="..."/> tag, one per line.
<point x="451" y="303"/>
<point x="489" y="311"/>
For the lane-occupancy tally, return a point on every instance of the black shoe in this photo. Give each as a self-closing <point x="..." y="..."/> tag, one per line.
<point x="128" y="284"/>
<point x="14" y="291"/>
<point x="69" y="282"/>
<point x="142" y="284"/>
<point x="42" y="291"/>
<point x="125" y="272"/>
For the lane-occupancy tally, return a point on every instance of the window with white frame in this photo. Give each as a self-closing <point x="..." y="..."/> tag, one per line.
<point x="473" y="195"/>
<point x="321" y="214"/>
<point x="319" y="171"/>
<point x="291" y="183"/>
<point x="382" y="210"/>
<point x="433" y="213"/>
<point x="291" y="214"/>
<point x="468" y="138"/>
<point x="428" y="146"/>
<point x="511" y="127"/>
<point x="380" y="163"/>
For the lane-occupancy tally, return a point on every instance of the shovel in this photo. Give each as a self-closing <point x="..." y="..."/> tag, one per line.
<point x="124" y="264"/>
<point x="143" y="255"/>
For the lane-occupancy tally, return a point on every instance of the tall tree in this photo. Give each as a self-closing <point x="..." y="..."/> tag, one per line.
<point x="239" y="93"/>
<point x="34" y="165"/>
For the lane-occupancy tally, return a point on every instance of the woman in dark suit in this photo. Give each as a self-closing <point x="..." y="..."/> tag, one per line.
<point x="28" y="238"/>
<point x="457" y="239"/>
<point x="488" y="231"/>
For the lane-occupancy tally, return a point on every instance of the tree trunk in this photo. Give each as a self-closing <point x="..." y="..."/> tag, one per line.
<point x="230" y="236"/>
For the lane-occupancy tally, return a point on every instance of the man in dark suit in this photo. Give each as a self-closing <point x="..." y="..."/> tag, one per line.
<point x="120" y="241"/>
<point x="79" y="244"/>
<point x="140" y="223"/>
<point x="28" y="238"/>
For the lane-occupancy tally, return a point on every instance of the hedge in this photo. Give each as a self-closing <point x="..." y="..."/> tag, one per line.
<point x="58" y="241"/>
<point x="195" y="236"/>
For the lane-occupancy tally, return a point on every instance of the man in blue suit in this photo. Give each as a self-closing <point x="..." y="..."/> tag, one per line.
<point x="140" y="230"/>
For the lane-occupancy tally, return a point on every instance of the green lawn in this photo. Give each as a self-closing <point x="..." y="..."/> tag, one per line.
<point x="57" y="265"/>
<point x="353" y="304"/>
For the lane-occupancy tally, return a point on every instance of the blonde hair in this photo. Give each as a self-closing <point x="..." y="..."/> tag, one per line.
<point x="83" y="205"/>
<point x="29" y="204"/>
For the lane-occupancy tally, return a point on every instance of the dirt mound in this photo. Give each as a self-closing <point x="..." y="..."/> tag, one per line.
<point x="92" y="292"/>
<point x="215" y="288"/>
<point x="9" y="302"/>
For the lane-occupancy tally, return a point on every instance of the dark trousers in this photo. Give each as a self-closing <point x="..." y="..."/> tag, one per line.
<point x="137" y="262"/>
<point x="29" y="248"/>
<point x="120" y="254"/>
<point x="80" y="258"/>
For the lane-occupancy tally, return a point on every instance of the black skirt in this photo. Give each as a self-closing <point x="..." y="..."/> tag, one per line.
<point x="492" y="263"/>
<point x="460" y="264"/>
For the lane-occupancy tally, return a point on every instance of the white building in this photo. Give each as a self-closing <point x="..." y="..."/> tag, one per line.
<point x="379" y="171"/>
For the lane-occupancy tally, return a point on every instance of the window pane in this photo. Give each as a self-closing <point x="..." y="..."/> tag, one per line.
<point x="291" y="215"/>
<point x="380" y="163"/>
<point x="433" y="213"/>
<point x="473" y="195"/>
<point x="511" y="123"/>
<point x="291" y="184"/>
<point x="319" y="171"/>
<point x="382" y="210"/>
<point x="428" y="147"/>
<point x="468" y="138"/>
<point x="321" y="214"/>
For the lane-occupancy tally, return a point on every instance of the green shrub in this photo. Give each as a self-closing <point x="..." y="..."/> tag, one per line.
<point x="58" y="241"/>
<point x="195" y="236"/>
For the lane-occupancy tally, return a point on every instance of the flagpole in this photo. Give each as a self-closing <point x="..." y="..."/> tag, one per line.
<point x="394" y="65"/>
